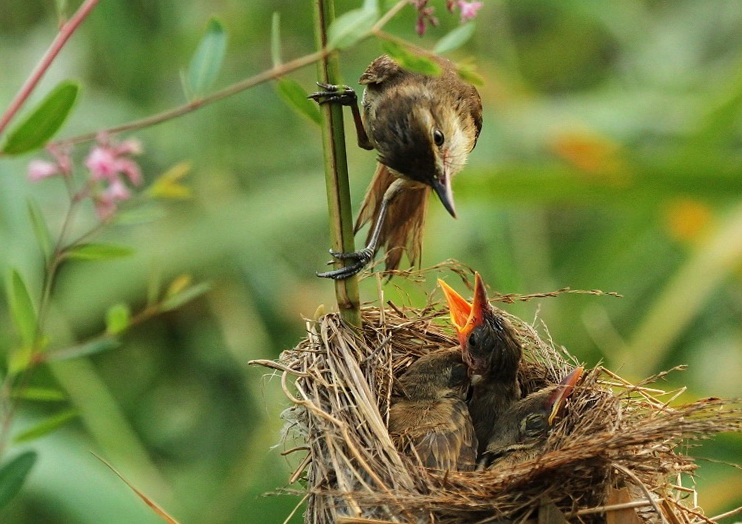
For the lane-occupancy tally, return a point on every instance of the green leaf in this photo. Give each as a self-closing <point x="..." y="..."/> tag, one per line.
<point x="296" y="97"/>
<point x="352" y="26"/>
<point x="22" y="309"/>
<point x="276" y="39"/>
<point x="13" y="474"/>
<point x="455" y="38"/>
<point x="44" y="120"/>
<point x="98" y="252"/>
<point x="117" y="319"/>
<point x="91" y="347"/>
<point x="187" y="295"/>
<point x="208" y="58"/>
<point x="468" y="74"/>
<point x="46" y="426"/>
<point x="410" y="60"/>
<point x="40" y="394"/>
<point x="41" y="232"/>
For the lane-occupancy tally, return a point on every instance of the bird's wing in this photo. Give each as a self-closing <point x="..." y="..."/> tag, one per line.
<point x="450" y="443"/>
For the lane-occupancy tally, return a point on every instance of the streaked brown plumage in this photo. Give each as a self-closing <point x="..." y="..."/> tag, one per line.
<point x="423" y="128"/>
<point x="492" y="352"/>
<point x="521" y="431"/>
<point x="429" y="417"/>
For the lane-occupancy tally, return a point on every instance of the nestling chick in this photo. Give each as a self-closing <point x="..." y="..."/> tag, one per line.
<point x="429" y="417"/>
<point x="521" y="432"/>
<point x="491" y="350"/>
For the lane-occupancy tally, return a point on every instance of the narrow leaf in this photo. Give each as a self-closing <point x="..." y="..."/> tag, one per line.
<point x="276" y="39"/>
<point x="117" y="319"/>
<point x="295" y="96"/>
<point x="46" y="426"/>
<point x="39" y="228"/>
<point x="39" y="394"/>
<point x="185" y="296"/>
<point x="169" y="185"/>
<point x="455" y="38"/>
<point x="98" y="252"/>
<point x="208" y="58"/>
<point x="148" y="501"/>
<point x="44" y="120"/>
<point x="22" y="309"/>
<point x="410" y="60"/>
<point x="178" y="285"/>
<point x="351" y="27"/>
<point x="13" y="474"/>
<point x="86" y="349"/>
<point x="468" y="74"/>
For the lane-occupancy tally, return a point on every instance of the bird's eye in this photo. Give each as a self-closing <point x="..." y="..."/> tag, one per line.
<point x="438" y="137"/>
<point x="473" y="340"/>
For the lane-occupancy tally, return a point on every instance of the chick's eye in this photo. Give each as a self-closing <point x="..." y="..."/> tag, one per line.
<point x="438" y="137"/>
<point x="473" y="340"/>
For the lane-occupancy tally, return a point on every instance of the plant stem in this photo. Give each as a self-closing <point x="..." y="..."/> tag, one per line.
<point x="65" y="32"/>
<point x="336" y="169"/>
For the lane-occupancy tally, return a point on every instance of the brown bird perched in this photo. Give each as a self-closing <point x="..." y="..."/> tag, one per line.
<point x="428" y="415"/>
<point x="492" y="352"/>
<point x="521" y="432"/>
<point x="423" y="128"/>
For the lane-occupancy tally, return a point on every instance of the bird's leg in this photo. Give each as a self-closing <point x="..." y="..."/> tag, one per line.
<point x="344" y="95"/>
<point x="365" y="255"/>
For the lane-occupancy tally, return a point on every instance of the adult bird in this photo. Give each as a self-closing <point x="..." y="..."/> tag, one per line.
<point x="423" y="128"/>
<point x="523" y="429"/>
<point x="428" y="417"/>
<point x="492" y="352"/>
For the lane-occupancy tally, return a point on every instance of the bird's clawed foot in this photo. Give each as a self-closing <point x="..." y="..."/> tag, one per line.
<point x="362" y="258"/>
<point x="343" y="95"/>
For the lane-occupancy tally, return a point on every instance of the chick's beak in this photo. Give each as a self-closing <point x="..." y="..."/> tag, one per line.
<point x="465" y="316"/>
<point x="558" y="399"/>
<point x="442" y="187"/>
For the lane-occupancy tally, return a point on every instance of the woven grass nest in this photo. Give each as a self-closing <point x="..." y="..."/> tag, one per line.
<point x="616" y="456"/>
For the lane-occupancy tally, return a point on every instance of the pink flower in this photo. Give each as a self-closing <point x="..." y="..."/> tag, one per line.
<point x="102" y="163"/>
<point x="469" y="9"/>
<point x="41" y="169"/>
<point x="117" y="191"/>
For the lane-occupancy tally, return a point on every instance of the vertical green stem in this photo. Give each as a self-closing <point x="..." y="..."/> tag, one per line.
<point x="336" y="168"/>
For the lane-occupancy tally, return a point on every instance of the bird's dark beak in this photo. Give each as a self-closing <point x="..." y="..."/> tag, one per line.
<point x="442" y="187"/>
<point x="558" y="399"/>
<point x="465" y="316"/>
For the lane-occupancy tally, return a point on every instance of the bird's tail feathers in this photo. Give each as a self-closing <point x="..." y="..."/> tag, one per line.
<point x="402" y="230"/>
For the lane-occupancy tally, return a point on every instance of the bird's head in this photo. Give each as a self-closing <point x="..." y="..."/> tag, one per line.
<point x="425" y="138"/>
<point x="487" y="340"/>
<point x="548" y="405"/>
<point x="435" y="375"/>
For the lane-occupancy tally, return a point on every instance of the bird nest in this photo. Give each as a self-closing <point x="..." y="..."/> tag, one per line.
<point x="617" y="454"/>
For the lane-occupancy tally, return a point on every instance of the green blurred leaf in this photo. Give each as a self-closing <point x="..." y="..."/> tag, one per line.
<point x="117" y="319"/>
<point x="47" y="425"/>
<point x="13" y="474"/>
<point x="91" y="347"/>
<point x="467" y="73"/>
<point x="98" y="252"/>
<point x="39" y="228"/>
<point x="168" y="186"/>
<point x="276" y="39"/>
<point x="40" y="394"/>
<point x="208" y="58"/>
<point x="184" y="296"/>
<point x="455" y="38"/>
<point x="22" y="309"/>
<point x="352" y="26"/>
<point x="295" y="96"/>
<point x="411" y="61"/>
<point x="44" y="120"/>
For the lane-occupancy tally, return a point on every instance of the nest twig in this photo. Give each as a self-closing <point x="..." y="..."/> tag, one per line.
<point x="616" y="437"/>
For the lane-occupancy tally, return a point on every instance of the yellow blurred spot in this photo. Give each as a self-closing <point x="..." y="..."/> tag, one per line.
<point x="180" y="283"/>
<point x="168" y="185"/>
<point x="591" y="153"/>
<point x="686" y="219"/>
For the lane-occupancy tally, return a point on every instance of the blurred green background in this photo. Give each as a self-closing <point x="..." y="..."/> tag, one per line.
<point x="610" y="158"/>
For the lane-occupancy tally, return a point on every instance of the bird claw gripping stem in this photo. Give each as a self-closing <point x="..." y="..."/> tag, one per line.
<point x="335" y="94"/>
<point x="362" y="258"/>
